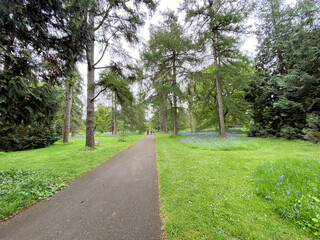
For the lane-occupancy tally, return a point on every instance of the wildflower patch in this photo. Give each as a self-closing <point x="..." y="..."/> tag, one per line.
<point x="213" y="141"/>
<point x="293" y="187"/>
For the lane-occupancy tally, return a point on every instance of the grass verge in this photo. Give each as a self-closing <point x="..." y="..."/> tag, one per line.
<point x="27" y="176"/>
<point x="209" y="194"/>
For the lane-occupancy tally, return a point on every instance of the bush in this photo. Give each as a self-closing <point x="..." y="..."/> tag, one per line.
<point x="294" y="190"/>
<point x="312" y="130"/>
<point x="290" y="132"/>
<point x="27" y="137"/>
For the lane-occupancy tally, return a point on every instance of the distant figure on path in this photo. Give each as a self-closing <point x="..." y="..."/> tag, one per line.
<point x="147" y="131"/>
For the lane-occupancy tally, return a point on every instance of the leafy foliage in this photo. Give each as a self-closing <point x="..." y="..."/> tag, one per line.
<point x="20" y="188"/>
<point x="103" y="118"/>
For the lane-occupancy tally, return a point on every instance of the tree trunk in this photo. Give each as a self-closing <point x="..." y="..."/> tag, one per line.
<point x="90" y="91"/>
<point x="67" y="113"/>
<point x="174" y="83"/>
<point x="115" y="117"/>
<point x="219" y="95"/>
<point x="190" y="120"/>
<point x="163" y="117"/>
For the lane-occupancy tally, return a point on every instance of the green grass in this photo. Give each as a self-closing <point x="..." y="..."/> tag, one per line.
<point x="293" y="187"/>
<point x="207" y="194"/>
<point x="27" y="176"/>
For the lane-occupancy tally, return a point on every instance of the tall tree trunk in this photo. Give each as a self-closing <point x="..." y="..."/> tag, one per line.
<point x="67" y="113"/>
<point x="90" y="90"/>
<point x="190" y="120"/>
<point x="174" y="83"/>
<point x="219" y="95"/>
<point x="115" y="117"/>
<point x="163" y="117"/>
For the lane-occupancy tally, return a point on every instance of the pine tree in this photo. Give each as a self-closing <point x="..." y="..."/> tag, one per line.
<point x="165" y="56"/>
<point x="39" y="40"/>
<point x="285" y="94"/>
<point x="109" y="22"/>
<point x="218" y="24"/>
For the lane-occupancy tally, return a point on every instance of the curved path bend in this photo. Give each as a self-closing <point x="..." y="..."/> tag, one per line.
<point x="119" y="199"/>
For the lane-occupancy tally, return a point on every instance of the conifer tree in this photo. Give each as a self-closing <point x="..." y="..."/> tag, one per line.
<point x="109" y="22"/>
<point x="285" y="94"/>
<point x="166" y="55"/>
<point x="218" y="24"/>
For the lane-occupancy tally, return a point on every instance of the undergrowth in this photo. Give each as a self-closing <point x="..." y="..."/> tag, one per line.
<point x="20" y="188"/>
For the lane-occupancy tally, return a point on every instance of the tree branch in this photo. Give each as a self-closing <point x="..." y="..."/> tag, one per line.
<point x="98" y="94"/>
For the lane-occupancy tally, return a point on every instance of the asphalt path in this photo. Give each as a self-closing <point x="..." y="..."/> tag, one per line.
<point x="119" y="199"/>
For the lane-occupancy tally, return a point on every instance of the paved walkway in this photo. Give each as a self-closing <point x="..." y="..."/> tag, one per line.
<point x="117" y="200"/>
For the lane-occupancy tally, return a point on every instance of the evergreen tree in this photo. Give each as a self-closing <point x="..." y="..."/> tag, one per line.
<point x="38" y="41"/>
<point x="218" y="24"/>
<point x="285" y="95"/>
<point x="202" y="97"/>
<point x="166" y="55"/>
<point x="72" y="104"/>
<point x="109" y="23"/>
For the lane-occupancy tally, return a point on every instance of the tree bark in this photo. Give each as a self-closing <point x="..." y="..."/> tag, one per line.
<point x="90" y="90"/>
<point x="115" y="117"/>
<point x="219" y="95"/>
<point x="174" y="83"/>
<point x="67" y="113"/>
<point x="190" y="120"/>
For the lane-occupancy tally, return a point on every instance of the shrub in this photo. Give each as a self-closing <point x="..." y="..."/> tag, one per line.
<point x="312" y="130"/>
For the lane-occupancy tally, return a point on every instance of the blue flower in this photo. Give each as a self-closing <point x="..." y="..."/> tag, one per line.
<point x="307" y="176"/>
<point x="295" y="192"/>
<point x="278" y="184"/>
<point x="284" y="211"/>
<point x="269" y="196"/>
<point x="281" y="177"/>
<point x="309" y="165"/>
<point x="297" y="211"/>
<point x="309" y="207"/>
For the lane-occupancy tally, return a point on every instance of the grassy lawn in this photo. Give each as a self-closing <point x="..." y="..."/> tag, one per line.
<point x="27" y="176"/>
<point x="211" y="194"/>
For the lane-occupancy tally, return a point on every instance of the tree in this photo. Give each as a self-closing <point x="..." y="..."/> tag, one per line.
<point x="202" y="95"/>
<point x="285" y="94"/>
<point x="73" y="85"/>
<point x="218" y="24"/>
<point x="102" y="122"/>
<point x="114" y="80"/>
<point x="166" y="54"/>
<point x="38" y="41"/>
<point x="110" y="23"/>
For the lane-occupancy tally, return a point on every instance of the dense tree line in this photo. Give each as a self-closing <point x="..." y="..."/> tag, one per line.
<point x="193" y="74"/>
<point x="285" y="94"/>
